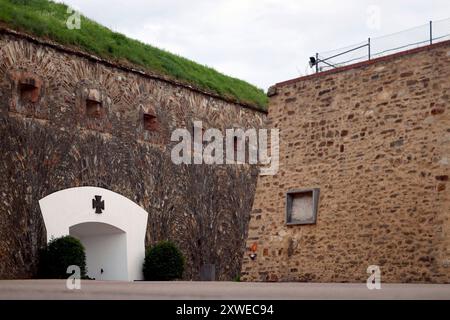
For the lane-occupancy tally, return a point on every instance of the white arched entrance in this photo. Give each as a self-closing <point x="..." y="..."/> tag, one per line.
<point x="106" y="250"/>
<point x="111" y="227"/>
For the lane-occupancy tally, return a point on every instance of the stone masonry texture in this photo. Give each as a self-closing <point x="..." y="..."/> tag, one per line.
<point x="49" y="143"/>
<point x="375" y="139"/>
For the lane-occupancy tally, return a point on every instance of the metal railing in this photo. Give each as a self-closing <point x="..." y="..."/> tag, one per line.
<point x="376" y="47"/>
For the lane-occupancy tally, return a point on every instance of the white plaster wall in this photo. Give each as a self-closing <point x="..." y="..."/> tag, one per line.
<point x="66" y="208"/>
<point x="106" y="252"/>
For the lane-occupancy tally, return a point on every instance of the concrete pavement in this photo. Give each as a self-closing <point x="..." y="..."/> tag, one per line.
<point x="56" y="289"/>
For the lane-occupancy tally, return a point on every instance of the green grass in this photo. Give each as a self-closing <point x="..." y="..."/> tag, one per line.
<point x="47" y="19"/>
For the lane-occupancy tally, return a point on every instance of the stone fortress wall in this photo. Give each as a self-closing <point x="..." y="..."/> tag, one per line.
<point x="374" y="138"/>
<point x="68" y="119"/>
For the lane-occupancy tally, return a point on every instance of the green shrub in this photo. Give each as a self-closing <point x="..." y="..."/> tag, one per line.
<point x="61" y="253"/>
<point x="163" y="262"/>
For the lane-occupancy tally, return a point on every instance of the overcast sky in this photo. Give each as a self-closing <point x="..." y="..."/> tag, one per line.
<point x="260" y="41"/>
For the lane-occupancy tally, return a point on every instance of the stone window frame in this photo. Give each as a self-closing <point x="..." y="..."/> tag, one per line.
<point x="94" y="104"/>
<point x="27" y="94"/>
<point x="151" y="124"/>
<point x="289" y="197"/>
<point x="93" y="107"/>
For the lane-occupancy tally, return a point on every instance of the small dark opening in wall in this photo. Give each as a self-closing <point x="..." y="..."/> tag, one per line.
<point x="28" y="91"/>
<point x="342" y="148"/>
<point x="150" y="122"/>
<point x="93" y="108"/>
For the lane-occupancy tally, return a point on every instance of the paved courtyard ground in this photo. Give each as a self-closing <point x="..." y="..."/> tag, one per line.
<point x="56" y="289"/>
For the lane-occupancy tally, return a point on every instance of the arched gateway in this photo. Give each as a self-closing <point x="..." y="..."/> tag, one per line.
<point x="110" y="226"/>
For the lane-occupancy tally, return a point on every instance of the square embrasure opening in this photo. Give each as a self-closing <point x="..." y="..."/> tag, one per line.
<point x="150" y="122"/>
<point x="301" y="206"/>
<point x="28" y="91"/>
<point x="93" y="108"/>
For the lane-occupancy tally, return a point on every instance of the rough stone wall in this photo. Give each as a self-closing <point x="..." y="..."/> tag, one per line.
<point x="48" y="143"/>
<point x="375" y="138"/>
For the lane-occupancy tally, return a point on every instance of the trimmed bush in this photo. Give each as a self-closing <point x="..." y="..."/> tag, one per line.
<point x="163" y="262"/>
<point x="61" y="253"/>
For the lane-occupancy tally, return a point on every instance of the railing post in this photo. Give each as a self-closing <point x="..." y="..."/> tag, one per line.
<point x="368" y="44"/>
<point x="431" y="32"/>
<point x="317" y="62"/>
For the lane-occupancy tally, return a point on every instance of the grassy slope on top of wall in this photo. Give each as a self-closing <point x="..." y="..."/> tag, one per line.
<point x="47" y="19"/>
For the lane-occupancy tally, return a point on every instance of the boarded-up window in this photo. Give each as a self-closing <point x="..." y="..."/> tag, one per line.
<point x="301" y="206"/>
